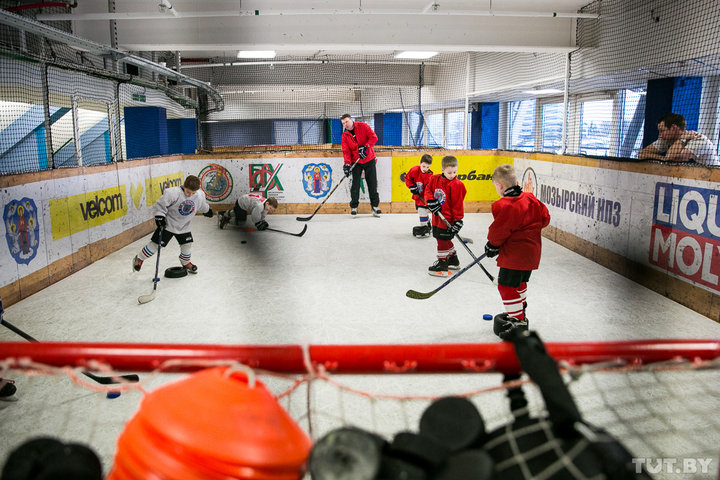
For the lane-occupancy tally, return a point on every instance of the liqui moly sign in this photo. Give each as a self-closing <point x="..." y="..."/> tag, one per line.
<point x="685" y="237"/>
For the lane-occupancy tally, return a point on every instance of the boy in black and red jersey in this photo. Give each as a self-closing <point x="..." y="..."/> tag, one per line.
<point x="445" y="193"/>
<point x="416" y="180"/>
<point x="514" y="235"/>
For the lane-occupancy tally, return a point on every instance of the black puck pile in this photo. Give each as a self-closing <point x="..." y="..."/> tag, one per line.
<point x="447" y="446"/>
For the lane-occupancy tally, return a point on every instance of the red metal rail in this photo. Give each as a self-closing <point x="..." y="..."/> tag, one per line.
<point x="355" y="359"/>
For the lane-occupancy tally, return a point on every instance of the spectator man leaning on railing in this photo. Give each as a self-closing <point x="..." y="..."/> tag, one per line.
<point x="675" y="144"/>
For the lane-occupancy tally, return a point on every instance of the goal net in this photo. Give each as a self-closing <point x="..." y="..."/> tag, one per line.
<point x="658" y="398"/>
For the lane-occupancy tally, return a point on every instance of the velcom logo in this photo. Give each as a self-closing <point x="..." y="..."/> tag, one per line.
<point x="21" y="229"/>
<point x="317" y="178"/>
<point x="264" y="177"/>
<point x="76" y="213"/>
<point x="216" y="182"/>
<point x="529" y="181"/>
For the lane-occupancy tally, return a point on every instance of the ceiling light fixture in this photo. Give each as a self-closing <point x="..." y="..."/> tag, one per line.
<point x="256" y="54"/>
<point x="415" y="55"/>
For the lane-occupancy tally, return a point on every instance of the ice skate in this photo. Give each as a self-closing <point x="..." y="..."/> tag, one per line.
<point x="137" y="264"/>
<point x="453" y="262"/>
<point x="439" y="268"/>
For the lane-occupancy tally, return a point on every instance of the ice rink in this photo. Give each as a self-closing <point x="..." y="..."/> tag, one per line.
<point x="343" y="282"/>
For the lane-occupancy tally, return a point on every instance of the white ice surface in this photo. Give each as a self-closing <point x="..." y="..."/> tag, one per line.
<point x="343" y="282"/>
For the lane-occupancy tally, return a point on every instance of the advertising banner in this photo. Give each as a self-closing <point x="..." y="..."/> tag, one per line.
<point x="475" y="171"/>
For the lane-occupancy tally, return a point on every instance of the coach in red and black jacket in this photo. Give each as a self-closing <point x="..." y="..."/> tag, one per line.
<point x="358" y="140"/>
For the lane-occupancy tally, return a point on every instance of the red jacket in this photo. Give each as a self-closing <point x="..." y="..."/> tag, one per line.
<point x="516" y="229"/>
<point x="415" y="177"/>
<point x="450" y="194"/>
<point x="361" y="135"/>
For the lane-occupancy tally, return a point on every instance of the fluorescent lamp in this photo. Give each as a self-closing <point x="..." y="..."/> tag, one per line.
<point x="256" y="54"/>
<point x="415" y="55"/>
<point x="542" y="91"/>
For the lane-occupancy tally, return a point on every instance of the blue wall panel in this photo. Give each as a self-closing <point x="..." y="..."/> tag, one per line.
<point x="181" y="135"/>
<point x="686" y="99"/>
<point x="145" y="132"/>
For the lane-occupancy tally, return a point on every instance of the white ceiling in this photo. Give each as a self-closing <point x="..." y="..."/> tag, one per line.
<point x="217" y="29"/>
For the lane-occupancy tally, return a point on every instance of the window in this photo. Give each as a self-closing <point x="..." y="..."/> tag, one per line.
<point x="311" y="132"/>
<point x="552" y="123"/>
<point x="455" y="125"/>
<point x="415" y="134"/>
<point x="596" y="127"/>
<point x="285" y="132"/>
<point x="631" y="122"/>
<point x="521" y="131"/>
<point x="434" y="125"/>
<point x="93" y="126"/>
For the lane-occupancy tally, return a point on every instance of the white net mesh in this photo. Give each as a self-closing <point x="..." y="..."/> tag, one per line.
<point x="664" y="414"/>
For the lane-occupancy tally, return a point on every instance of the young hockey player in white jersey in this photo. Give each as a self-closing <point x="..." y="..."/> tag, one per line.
<point x="174" y="212"/>
<point x="253" y="204"/>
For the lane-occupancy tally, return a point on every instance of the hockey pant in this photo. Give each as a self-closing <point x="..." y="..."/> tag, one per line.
<point x="512" y="285"/>
<point x="370" y="180"/>
<point x="184" y="239"/>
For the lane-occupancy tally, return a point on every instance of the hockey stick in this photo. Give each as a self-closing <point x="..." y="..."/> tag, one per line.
<point x="422" y="296"/>
<point x="142" y="299"/>
<point x="101" y="380"/>
<point x="489" y="275"/>
<point x="302" y="232"/>
<point x="462" y="239"/>
<point x="307" y="219"/>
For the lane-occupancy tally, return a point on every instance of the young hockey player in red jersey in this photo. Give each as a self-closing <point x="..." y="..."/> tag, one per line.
<point x="253" y="204"/>
<point x="514" y="235"/>
<point x="445" y="194"/>
<point x="416" y="179"/>
<point x="174" y="211"/>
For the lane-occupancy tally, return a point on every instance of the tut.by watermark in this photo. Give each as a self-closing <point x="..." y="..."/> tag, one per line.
<point x="672" y="465"/>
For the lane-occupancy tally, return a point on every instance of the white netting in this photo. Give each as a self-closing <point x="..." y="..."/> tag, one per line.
<point x="664" y="414"/>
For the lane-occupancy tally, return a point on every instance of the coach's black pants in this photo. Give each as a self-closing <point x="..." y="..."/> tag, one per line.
<point x="370" y="179"/>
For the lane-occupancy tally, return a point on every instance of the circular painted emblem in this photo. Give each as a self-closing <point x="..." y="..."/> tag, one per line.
<point x="216" y="182"/>
<point x="186" y="208"/>
<point x="22" y="231"/>
<point x="529" y="181"/>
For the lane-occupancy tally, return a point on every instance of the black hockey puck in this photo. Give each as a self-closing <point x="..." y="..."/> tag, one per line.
<point x="175" y="272"/>
<point x="243" y="241"/>
<point x="419" y="449"/>
<point x="454" y="422"/>
<point x="475" y="464"/>
<point x="345" y="454"/>
<point x="392" y="468"/>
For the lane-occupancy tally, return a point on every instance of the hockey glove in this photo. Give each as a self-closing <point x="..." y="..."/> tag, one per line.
<point x="491" y="250"/>
<point x="160" y="221"/>
<point x="209" y="213"/>
<point x="261" y="225"/>
<point x="362" y="151"/>
<point x="346" y="170"/>
<point x="415" y="190"/>
<point x="455" y="227"/>
<point x="433" y="205"/>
